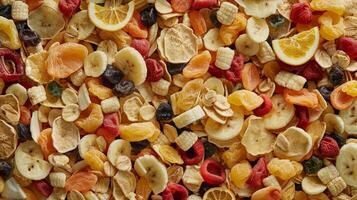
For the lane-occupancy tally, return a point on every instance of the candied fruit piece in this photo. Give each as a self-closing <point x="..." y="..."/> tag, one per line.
<point x="240" y="173"/>
<point x="281" y="168"/>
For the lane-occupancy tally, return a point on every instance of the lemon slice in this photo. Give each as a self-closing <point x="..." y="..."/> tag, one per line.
<point x="299" y="48"/>
<point x="112" y="16"/>
<point x="219" y="193"/>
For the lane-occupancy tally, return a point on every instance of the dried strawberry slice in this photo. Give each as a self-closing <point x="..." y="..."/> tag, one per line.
<point x="111" y="123"/>
<point x="312" y="71"/>
<point x="194" y="155"/>
<point x="198" y="4"/>
<point x="43" y="187"/>
<point x="302" y="114"/>
<point x="348" y="45"/>
<point x="155" y="70"/>
<point x="142" y="45"/>
<point x="259" y="172"/>
<point x="328" y="147"/>
<point x="174" y="191"/>
<point x="69" y="7"/>
<point x="265" y="107"/>
<point x="11" y="65"/>
<point x="212" y="172"/>
<point x="215" y="71"/>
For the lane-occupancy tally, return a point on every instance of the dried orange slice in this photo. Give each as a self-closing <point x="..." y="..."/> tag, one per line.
<point x="219" y="193"/>
<point x="65" y="59"/>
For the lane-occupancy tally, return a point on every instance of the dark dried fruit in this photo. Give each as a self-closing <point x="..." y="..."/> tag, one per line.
<point x="149" y="15"/>
<point x="175" y="68"/>
<point x="11" y="65"/>
<point x="210" y="149"/>
<point x="124" y="88"/>
<point x="5" y="169"/>
<point x="29" y="37"/>
<point x="5" y="11"/>
<point x="214" y="20"/>
<point x="21" y="25"/>
<point x="339" y="139"/>
<point x="336" y="76"/>
<point x="325" y="92"/>
<point x="136" y="147"/>
<point x="276" y="20"/>
<point x="164" y="112"/>
<point x="23" y="132"/>
<point x="54" y="89"/>
<point x="313" y="165"/>
<point x="112" y="75"/>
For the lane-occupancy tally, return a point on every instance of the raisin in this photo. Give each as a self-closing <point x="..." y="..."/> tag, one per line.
<point x="214" y="20"/>
<point x="339" y="139"/>
<point x="124" y="88"/>
<point x="164" y="112"/>
<point x="23" y="132"/>
<point x="112" y="75"/>
<point x="175" y="68"/>
<point x="336" y="76"/>
<point x="22" y="25"/>
<point x="138" y="146"/>
<point x="313" y="165"/>
<point x="5" y="168"/>
<point x="5" y="11"/>
<point x="149" y="15"/>
<point x="276" y="20"/>
<point x="210" y="149"/>
<point x="55" y="89"/>
<point x="325" y="92"/>
<point x="29" y="37"/>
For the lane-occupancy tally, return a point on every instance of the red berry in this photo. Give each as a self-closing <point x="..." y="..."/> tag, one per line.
<point x="301" y="13"/>
<point x="174" y="191"/>
<point x="265" y="107"/>
<point x="194" y="155"/>
<point x="155" y="70"/>
<point x="111" y="123"/>
<point x="237" y="65"/>
<point x="259" y="172"/>
<point x="328" y="147"/>
<point x="43" y="187"/>
<point x="181" y="6"/>
<point x="198" y="4"/>
<point x="69" y="7"/>
<point x="215" y="71"/>
<point x="279" y="89"/>
<point x="312" y="71"/>
<point x="348" y="45"/>
<point x="302" y="114"/>
<point x="212" y="172"/>
<point x="231" y="77"/>
<point x="141" y="45"/>
<point x="13" y="74"/>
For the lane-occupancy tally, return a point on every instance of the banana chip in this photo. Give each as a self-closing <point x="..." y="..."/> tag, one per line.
<point x="126" y="182"/>
<point x="168" y="154"/>
<point x="65" y="135"/>
<point x="131" y="108"/>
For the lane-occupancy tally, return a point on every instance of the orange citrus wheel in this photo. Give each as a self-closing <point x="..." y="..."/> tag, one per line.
<point x="219" y="193"/>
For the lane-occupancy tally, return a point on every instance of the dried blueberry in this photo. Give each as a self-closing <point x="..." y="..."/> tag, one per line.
<point x="149" y="15"/>
<point x="313" y="165"/>
<point x="5" y="168"/>
<point x="23" y="132"/>
<point x="5" y="11"/>
<point x="339" y="139"/>
<point x="214" y="20"/>
<point x="210" y="149"/>
<point x="175" y="68"/>
<point x="112" y="75"/>
<point x="55" y="89"/>
<point x="164" y="112"/>
<point x="124" y="88"/>
<point x="29" y="37"/>
<point x="325" y="92"/>
<point x="138" y="146"/>
<point x="336" y="76"/>
<point x="22" y="25"/>
<point x="276" y="20"/>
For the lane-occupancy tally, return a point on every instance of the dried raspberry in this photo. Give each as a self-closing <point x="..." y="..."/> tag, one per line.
<point x="43" y="187"/>
<point x="348" y="45"/>
<point x="215" y="71"/>
<point x="312" y="71"/>
<point x="111" y="123"/>
<point x="303" y="115"/>
<point x="301" y="13"/>
<point x="198" y="4"/>
<point x="328" y="147"/>
<point x="259" y="172"/>
<point x="194" y="155"/>
<point x="265" y="107"/>
<point x="141" y="45"/>
<point x="279" y="89"/>
<point x="155" y="70"/>
<point x="237" y="65"/>
<point x="174" y="191"/>
<point x="212" y="172"/>
<point x="8" y="72"/>
<point x="231" y="77"/>
<point x="69" y="7"/>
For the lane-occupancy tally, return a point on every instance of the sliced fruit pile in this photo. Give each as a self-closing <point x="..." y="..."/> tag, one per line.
<point x="178" y="99"/>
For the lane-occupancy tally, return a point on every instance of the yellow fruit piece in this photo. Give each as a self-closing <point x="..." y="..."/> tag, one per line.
<point x="112" y="16"/>
<point x="229" y="33"/>
<point x="281" y="168"/>
<point x="234" y="154"/>
<point x="249" y="100"/>
<point x="91" y="118"/>
<point x="332" y="26"/>
<point x="8" y="34"/>
<point x="168" y="154"/>
<point x="95" y="159"/>
<point x="298" y="167"/>
<point x="189" y="94"/>
<point x="350" y="88"/>
<point x="135" y="132"/>
<point x="95" y="88"/>
<point x="240" y="173"/>
<point x="198" y="65"/>
<point x="299" y="48"/>
<point x="336" y="6"/>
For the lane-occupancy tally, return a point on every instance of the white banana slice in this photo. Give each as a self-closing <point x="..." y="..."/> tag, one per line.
<point x="109" y="47"/>
<point x="132" y="64"/>
<point x="246" y="46"/>
<point x="346" y="164"/>
<point x="154" y="172"/>
<point x="212" y="41"/>
<point x="311" y="185"/>
<point x="87" y="142"/>
<point x="117" y="148"/>
<point x="188" y="117"/>
<point x="46" y="21"/>
<point x="334" y="123"/>
<point x="19" y="91"/>
<point x="12" y="190"/>
<point x="227" y="131"/>
<point x="29" y="161"/>
<point x="349" y="116"/>
<point x="261" y="8"/>
<point x="95" y="63"/>
<point x="80" y="25"/>
<point x="257" y="29"/>
<point x="280" y="115"/>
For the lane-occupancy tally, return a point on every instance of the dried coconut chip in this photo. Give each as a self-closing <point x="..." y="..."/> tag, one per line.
<point x="8" y="141"/>
<point x="65" y="135"/>
<point x="131" y="108"/>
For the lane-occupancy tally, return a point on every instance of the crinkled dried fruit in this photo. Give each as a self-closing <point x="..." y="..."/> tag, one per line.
<point x="155" y="70"/>
<point x="328" y="147"/>
<point x="81" y="181"/>
<point x="259" y="172"/>
<point x="301" y="13"/>
<point x="212" y="172"/>
<point x="11" y="65"/>
<point x="69" y="7"/>
<point x="91" y="118"/>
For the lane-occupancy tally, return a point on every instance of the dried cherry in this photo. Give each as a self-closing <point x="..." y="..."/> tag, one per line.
<point x="155" y="70"/>
<point x="11" y="66"/>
